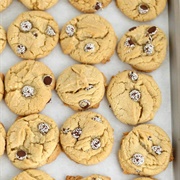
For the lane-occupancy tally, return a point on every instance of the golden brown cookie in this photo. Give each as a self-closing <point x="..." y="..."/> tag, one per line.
<point x="33" y="141"/>
<point x="3" y="39"/>
<point x="89" y="39"/>
<point x="144" y="178"/>
<point x="141" y="10"/>
<point x="134" y="97"/>
<point x="39" y="4"/>
<point x="146" y="151"/>
<point x="4" y="4"/>
<point x="81" y="87"/>
<point x="92" y="177"/>
<point x="33" y="34"/>
<point x="87" y="138"/>
<point x="1" y="86"/>
<point x="2" y="139"/>
<point x="28" y="86"/>
<point x="90" y="6"/>
<point x="32" y="174"/>
<point x="143" y="47"/>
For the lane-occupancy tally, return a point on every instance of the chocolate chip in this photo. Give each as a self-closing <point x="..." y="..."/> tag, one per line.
<point x="137" y="159"/>
<point x="98" y="6"/>
<point x="65" y="131"/>
<point x="21" y="49"/>
<point x="152" y="30"/>
<point x="21" y="155"/>
<point x="135" y="95"/>
<point x="149" y="49"/>
<point x="143" y="9"/>
<point x="70" y="30"/>
<point x="129" y="43"/>
<point x="149" y="138"/>
<point x="76" y="133"/>
<point x="49" y="101"/>
<point x="95" y="144"/>
<point x="27" y="91"/>
<point x="35" y="34"/>
<point x="133" y="28"/>
<point x="84" y="104"/>
<point x="47" y="80"/>
<point x="133" y="76"/>
<point x="89" y="47"/>
<point x="43" y="128"/>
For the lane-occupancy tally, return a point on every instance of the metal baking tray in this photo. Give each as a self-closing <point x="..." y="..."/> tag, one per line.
<point x="63" y="12"/>
<point x="174" y="31"/>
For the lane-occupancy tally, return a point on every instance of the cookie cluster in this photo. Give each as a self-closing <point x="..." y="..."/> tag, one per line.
<point x="86" y="137"/>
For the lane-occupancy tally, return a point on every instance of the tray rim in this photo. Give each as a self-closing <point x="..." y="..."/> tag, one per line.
<point x="174" y="38"/>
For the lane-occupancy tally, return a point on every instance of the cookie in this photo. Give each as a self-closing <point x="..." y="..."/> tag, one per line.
<point x="86" y="138"/>
<point x="90" y="6"/>
<point x="92" y="177"/>
<point x="33" y="34"/>
<point x="2" y="39"/>
<point x="39" y="4"/>
<point x="144" y="178"/>
<point x="33" y="174"/>
<point x="2" y="139"/>
<point x="134" y="97"/>
<point x="89" y="39"/>
<point x="33" y="141"/>
<point x="1" y="86"/>
<point x="28" y="86"/>
<point x="143" y="47"/>
<point x="4" y="4"/>
<point x="81" y="87"/>
<point x="141" y="10"/>
<point x="146" y="151"/>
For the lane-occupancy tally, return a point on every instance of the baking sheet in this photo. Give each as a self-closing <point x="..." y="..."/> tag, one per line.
<point x="57" y="61"/>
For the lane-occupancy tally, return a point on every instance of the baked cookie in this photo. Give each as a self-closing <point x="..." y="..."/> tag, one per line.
<point x="33" y="174"/>
<point x="141" y="10"/>
<point x="4" y="4"/>
<point x="39" y="4"/>
<point x="143" y="47"/>
<point x="1" y="86"/>
<point x="2" y="139"/>
<point x="92" y="177"/>
<point x="2" y="39"/>
<point x="87" y="138"/>
<point x="33" y="141"/>
<point x="28" y="86"/>
<point x="146" y="151"/>
<point x="33" y="34"/>
<point x="89" y="39"/>
<point x="144" y="178"/>
<point x="90" y="6"/>
<point x="134" y="97"/>
<point x="81" y="87"/>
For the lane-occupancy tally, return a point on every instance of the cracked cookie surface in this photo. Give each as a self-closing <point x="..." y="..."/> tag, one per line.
<point x="134" y="97"/>
<point x="33" y="141"/>
<point x="138" y="155"/>
<point x="143" y="47"/>
<point x="89" y="39"/>
<point x="2" y="139"/>
<point x="1" y="86"/>
<point x="2" y="39"/>
<point x="92" y="177"/>
<point x="33" y="34"/>
<point x="39" y="4"/>
<point x="87" y="138"/>
<point x="90" y="6"/>
<point x="4" y="4"/>
<point x="32" y="174"/>
<point x="28" y="86"/>
<point x="81" y="86"/>
<point x="141" y="10"/>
